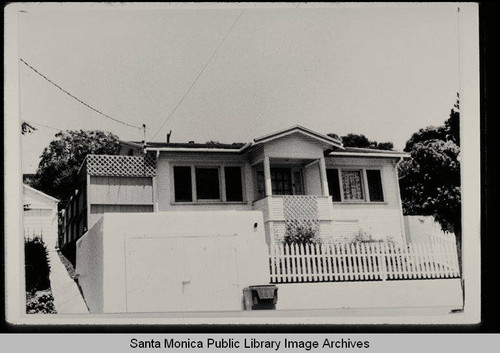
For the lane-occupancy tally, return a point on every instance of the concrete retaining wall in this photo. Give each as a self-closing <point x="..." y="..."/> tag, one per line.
<point x="380" y="294"/>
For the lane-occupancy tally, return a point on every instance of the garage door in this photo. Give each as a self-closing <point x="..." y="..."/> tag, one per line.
<point x="196" y="273"/>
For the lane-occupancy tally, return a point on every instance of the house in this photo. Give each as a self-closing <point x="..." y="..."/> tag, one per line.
<point x="199" y="223"/>
<point x="40" y="215"/>
<point x="296" y="177"/>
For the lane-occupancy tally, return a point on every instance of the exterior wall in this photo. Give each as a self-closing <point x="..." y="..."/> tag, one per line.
<point x="134" y="278"/>
<point x="383" y="220"/>
<point x="90" y="266"/>
<point x="119" y="194"/>
<point x="165" y="182"/>
<point x="41" y="218"/>
<point x="379" y="294"/>
<point x="294" y="146"/>
<point x="419" y="229"/>
<point x="312" y="180"/>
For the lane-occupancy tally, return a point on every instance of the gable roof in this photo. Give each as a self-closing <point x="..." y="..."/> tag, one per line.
<point x="40" y="193"/>
<point x="237" y="146"/>
<point x="302" y="130"/>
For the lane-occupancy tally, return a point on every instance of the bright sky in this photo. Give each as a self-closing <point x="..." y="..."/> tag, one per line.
<point x="382" y="71"/>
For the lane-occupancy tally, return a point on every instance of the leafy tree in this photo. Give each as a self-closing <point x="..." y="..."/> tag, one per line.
<point x="430" y="181"/>
<point x="361" y="141"/>
<point x="60" y="161"/>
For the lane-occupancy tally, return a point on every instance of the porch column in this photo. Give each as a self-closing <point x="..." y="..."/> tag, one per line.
<point x="324" y="180"/>
<point x="267" y="176"/>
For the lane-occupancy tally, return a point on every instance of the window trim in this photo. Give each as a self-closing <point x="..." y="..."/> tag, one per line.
<point x="222" y="183"/>
<point x="366" y="194"/>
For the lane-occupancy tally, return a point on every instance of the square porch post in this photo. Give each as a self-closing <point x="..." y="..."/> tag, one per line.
<point x="267" y="177"/>
<point x="324" y="180"/>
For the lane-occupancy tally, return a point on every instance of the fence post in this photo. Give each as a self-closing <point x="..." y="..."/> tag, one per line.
<point x="382" y="265"/>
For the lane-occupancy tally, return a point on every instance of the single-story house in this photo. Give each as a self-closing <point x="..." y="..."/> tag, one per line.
<point x="40" y="215"/>
<point x="296" y="177"/>
<point x="190" y="221"/>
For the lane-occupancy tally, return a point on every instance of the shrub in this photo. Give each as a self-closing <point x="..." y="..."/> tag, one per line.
<point x="36" y="265"/>
<point x="301" y="234"/>
<point x="40" y="303"/>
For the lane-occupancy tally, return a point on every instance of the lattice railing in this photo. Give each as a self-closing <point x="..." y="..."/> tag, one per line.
<point x="301" y="212"/>
<point x="123" y="166"/>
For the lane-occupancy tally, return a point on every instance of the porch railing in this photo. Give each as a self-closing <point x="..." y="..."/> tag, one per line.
<point x="362" y="262"/>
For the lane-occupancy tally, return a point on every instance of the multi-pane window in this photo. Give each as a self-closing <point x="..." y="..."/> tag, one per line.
<point x="348" y="185"/>
<point x="352" y="185"/>
<point x="208" y="184"/>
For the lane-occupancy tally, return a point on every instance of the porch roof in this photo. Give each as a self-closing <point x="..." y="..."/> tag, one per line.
<point x="368" y="152"/>
<point x="330" y="141"/>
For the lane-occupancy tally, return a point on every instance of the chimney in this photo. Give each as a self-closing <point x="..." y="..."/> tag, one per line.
<point x="168" y="136"/>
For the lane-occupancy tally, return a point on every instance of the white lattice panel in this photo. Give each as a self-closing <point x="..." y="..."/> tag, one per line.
<point x="301" y="211"/>
<point x="110" y="165"/>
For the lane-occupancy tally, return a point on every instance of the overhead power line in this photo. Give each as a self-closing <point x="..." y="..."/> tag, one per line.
<point x="199" y="75"/>
<point x="77" y="99"/>
<point x="41" y="125"/>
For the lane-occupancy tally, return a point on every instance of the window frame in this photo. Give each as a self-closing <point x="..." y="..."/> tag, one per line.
<point x="222" y="183"/>
<point x="364" y="184"/>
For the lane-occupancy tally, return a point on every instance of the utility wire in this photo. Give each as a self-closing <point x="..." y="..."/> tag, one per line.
<point x="38" y="124"/>
<point x="77" y="99"/>
<point x="199" y="75"/>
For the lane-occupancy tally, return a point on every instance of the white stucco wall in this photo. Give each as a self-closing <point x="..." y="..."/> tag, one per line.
<point x="90" y="266"/>
<point x="377" y="294"/>
<point x="134" y="248"/>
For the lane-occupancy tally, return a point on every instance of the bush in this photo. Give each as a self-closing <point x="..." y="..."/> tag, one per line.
<point x="36" y="265"/>
<point x="40" y="303"/>
<point x="301" y="234"/>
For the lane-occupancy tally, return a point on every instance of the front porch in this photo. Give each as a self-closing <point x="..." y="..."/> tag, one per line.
<point x="292" y="193"/>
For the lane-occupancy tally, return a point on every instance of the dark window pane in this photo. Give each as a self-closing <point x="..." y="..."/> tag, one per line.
<point x="260" y="184"/>
<point x="332" y="175"/>
<point x="182" y="184"/>
<point x="234" y="190"/>
<point x="282" y="184"/>
<point x="375" y="185"/>
<point x="207" y="184"/>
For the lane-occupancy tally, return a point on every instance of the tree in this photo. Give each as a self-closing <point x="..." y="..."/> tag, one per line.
<point x="361" y="141"/>
<point x="430" y="181"/>
<point x="60" y="161"/>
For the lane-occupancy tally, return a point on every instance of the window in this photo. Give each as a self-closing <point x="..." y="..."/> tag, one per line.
<point x="349" y="185"/>
<point x="352" y="185"/>
<point x="281" y="182"/>
<point x="234" y="188"/>
<point x="182" y="184"/>
<point x="207" y="184"/>
<point x="332" y="176"/>
<point x="261" y="191"/>
<point x="374" y="185"/>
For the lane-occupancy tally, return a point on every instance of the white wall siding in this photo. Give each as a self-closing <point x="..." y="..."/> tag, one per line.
<point x="380" y="222"/>
<point x="121" y="190"/>
<point x="294" y="146"/>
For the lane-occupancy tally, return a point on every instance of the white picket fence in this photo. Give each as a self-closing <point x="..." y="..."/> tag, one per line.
<point x="363" y="262"/>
